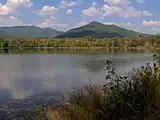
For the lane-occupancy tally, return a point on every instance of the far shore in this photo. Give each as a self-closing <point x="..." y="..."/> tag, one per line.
<point x="77" y="50"/>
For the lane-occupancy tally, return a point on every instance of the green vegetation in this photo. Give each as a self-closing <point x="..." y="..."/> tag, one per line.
<point x="99" y="30"/>
<point x="93" y="29"/>
<point x="29" y="31"/>
<point x="94" y="36"/>
<point x="149" y="43"/>
<point x="133" y="97"/>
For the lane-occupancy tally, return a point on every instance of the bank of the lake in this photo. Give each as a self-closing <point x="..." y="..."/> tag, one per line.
<point x="141" y="43"/>
<point x="108" y="96"/>
<point x="33" y="75"/>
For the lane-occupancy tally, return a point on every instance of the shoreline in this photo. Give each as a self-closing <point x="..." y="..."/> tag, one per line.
<point x="78" y="50"/>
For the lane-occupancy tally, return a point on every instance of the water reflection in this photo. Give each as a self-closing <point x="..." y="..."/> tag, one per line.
<point x="37" y="78"/>
<point x="99" y="65"/>
<point x="30" y="80"/>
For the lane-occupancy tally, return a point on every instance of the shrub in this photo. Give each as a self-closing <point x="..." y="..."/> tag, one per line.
<point x="135" y="97"/>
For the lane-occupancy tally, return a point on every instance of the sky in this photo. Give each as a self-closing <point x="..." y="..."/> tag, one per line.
<point x="138" y="15"/>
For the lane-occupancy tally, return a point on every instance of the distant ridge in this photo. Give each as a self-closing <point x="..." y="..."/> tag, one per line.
<point x="30" y="31"/>
<point x="99" y="30"/>
<point x="93" y="29"/>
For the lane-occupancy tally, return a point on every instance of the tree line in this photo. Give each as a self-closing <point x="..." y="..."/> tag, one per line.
<point x="147" y="42"/>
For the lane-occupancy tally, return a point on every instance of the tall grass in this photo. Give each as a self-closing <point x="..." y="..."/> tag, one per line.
<point x="133" y="97"/>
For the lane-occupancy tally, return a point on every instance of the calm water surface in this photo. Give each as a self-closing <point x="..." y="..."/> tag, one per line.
<point x="24" y="75"/>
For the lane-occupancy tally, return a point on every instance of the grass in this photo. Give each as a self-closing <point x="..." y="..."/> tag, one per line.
<point x="134" y="97"/>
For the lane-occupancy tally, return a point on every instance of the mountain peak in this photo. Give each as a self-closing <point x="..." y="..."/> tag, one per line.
<point x="95" y="23"/>
<point x="99" y="30"/>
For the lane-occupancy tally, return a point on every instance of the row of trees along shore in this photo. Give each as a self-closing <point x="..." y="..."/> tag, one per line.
<point x="139" y="42"/>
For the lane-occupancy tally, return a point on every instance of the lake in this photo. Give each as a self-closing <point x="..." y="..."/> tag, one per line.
<point x="37" y="77"/>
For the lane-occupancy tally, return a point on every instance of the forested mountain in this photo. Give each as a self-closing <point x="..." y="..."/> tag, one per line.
<point x="99" y="30"/>
<point x="93" y="29"/>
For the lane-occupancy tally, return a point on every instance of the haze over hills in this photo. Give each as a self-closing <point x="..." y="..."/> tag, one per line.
<point x="99" y="30"/>
<point x="93" y="29"/>
<point x="30" y="31"/>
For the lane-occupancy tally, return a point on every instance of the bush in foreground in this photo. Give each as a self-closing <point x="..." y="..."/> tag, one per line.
<point x="135" y="97"/>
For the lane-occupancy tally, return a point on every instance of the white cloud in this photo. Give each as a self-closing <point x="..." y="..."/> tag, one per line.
<point x="69" y="11"/>
<point x="91" y="11"/>
<point x="11" y="5"/>
<point x="141" y="1"/>
<point x="132" y="12"/>
<point x="10" y="21"/>
<point x="19" y="3"/>
<point x="122" y="8"/>
<point x="151" y="23"/>
<point x="51" y="22"/>
<point x="5" y="10"/>
<point x="110" y="10"/>
<point x="69" y="3"/>
<point x="156" y="29"/>
<point x="146" y="13"/>
<point x="47" y="10"/>
<point x="118" y="2"/>
<point x="111" y="23"/>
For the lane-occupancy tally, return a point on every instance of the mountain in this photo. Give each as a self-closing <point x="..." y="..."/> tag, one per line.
<point x="30" y="31"/>
<point x="99" y="30"/>
<point x="93" y="29"/>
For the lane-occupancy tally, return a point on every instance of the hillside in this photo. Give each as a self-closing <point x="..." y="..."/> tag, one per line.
<point x="30" y="31"/>
<point x="99" y="30"/>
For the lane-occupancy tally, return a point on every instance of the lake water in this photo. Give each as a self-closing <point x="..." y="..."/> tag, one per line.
<point x="24" y="75"/>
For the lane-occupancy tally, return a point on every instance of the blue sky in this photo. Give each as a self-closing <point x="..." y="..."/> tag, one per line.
<point x="139" y="15"/>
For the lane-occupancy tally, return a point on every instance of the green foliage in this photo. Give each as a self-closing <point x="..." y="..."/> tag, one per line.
<point x="147" y="42"/>
<point x="93" y="29"/>
<point x="135" y="97"/>
<point x="99" y="30"/>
